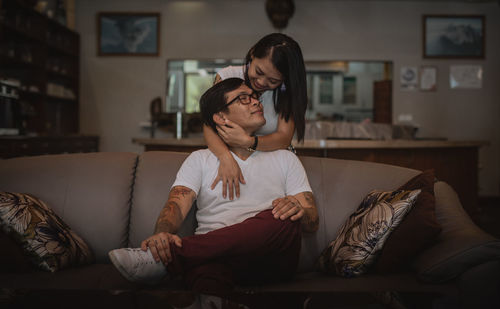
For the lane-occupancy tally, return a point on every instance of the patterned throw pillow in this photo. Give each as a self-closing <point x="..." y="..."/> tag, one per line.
<point x="50" y="243"/>
<point x="419" y="230"/>
<point x="363" y="235"/>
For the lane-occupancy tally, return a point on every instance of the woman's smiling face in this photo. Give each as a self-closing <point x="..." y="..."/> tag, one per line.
<point x="263" y="75"/>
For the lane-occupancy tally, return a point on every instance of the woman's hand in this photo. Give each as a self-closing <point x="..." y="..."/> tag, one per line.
<point x="230" y="175"/>
<point x="234" y="135"/>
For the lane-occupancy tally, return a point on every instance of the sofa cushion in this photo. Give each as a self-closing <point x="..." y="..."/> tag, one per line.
<point x="91" y="192"/>
<point x="339" y="186"/>
<point x="155" y="174"/>
<point x="50" y="242"/>
<point x="362" y="236"/>
<point x="416" y="232"/>
<point x="460" y="245"/>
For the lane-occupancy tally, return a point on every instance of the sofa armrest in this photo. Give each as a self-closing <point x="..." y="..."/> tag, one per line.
<point x="461" y="244"/>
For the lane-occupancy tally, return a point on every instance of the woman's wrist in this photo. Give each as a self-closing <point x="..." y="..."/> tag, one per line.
<point x="254" y="145"/>
<point x="250" y="140"/>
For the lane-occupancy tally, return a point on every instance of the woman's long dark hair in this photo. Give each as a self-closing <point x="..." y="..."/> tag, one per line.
<point x="286" y="56"/>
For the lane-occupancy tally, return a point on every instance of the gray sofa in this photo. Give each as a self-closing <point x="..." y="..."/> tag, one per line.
<point x="112" y="200"/>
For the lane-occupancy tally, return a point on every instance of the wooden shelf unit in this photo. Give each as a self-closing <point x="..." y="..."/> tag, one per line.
<point x="43" y="56"/>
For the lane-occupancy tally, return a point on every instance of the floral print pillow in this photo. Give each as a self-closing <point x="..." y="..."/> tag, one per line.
<point x="49" y="242"/>
<point x="363" y="235"/>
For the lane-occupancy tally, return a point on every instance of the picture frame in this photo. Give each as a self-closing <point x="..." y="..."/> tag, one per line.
<point x="428" y="78"/>
<point x="466" y="76"/>
<point x="408" y="78"/>
<point x="453" y="36"/>
<point x="128" y="34"/>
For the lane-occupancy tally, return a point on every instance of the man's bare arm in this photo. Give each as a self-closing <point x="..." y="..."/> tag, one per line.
<point x="310" y="219"/>
<point x="168" y="223"/>
<point x="178" y="205"/>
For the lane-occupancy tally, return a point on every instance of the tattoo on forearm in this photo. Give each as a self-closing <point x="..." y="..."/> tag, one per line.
<point x="310" y="220"/>
<point x="170" y="218"/>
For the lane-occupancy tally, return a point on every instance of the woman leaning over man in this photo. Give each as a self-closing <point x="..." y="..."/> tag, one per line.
<point x="274" y="68"/>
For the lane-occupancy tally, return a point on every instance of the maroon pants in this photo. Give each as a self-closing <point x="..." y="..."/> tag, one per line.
<point x="257" y="250"/>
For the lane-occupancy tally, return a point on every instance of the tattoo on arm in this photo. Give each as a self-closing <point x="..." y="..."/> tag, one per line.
<point x="179" y="192"/>
<point x="310" y="220"/>
<point x="309" y="198"/>
<point x="171" y="217"/>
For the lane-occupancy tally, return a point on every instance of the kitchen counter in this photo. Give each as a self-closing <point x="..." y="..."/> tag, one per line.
<point x="455" y="162"/>
<point x="317" y="144"/>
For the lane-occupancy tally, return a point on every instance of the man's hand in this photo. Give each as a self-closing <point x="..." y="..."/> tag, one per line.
<point x="300" y="206"/>
<point x="287" y="207"/>
<point x="160" y="244"/>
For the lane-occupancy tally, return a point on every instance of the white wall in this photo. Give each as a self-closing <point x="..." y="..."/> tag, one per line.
<point x="115" y="91"/>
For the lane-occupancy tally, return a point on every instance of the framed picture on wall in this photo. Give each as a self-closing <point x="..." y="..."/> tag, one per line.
<point x="428" y="78"/>
<point x="453" y="36"/>
<point x="128" y="34"/>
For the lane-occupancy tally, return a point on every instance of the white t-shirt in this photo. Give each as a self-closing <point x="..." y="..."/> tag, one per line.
<point x="268" y="175"/>
<point x="266" y="98"/>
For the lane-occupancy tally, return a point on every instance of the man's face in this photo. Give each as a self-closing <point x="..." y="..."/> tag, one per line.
<point x="249" y="116"/>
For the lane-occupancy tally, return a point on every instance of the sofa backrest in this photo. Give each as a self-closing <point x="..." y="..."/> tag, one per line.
<point x="113" y="200"/>
<point x="90" y="192"/>
<point x="155" y="174"/>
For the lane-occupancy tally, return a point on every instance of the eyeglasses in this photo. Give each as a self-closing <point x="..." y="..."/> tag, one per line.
<point x="244" y="98"/>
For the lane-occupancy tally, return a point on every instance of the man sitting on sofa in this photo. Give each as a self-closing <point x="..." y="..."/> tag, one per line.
<point x="253" y="239"/>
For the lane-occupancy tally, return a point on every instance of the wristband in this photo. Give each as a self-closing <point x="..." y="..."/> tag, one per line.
<point x="254" y="146"/>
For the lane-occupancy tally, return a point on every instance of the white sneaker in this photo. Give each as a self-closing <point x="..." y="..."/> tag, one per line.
<point x="137" y="265"/>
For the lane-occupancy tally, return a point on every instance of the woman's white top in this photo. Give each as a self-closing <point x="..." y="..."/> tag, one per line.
<point x="266" y="98"/>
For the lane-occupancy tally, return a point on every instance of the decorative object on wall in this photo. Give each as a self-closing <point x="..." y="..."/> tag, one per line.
<point x="428" y="78"/>
<point x="128" y="34"/>
<point x="409" y="78"/>
<point x="279" y="12"/>
<point x="453" y="36"/>
<point x="466" y="76"/>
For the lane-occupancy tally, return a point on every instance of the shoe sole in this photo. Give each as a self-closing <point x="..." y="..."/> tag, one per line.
<point x="119" y="267"/>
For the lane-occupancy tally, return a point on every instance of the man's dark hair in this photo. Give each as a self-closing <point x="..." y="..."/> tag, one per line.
<point x="214" y="100"/>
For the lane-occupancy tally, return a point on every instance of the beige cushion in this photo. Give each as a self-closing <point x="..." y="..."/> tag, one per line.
<point x="461" y="244"/>
<point x="339" y="186"/>
<point x="156" y="172"/>
<point x="91" y="192"/>
<point x="363" y="235"/>
<point x="49" y="241"/>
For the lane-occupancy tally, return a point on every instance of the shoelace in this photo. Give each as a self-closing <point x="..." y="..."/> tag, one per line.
<point x="142" y="258"/>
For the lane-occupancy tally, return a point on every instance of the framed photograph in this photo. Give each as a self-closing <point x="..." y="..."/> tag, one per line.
<point x="128" y="34"/>
<point x="428" y="78"/>
<point x="453" y="36"/>
<point x="466" y="77"/>
<point x="408" y="78"/>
